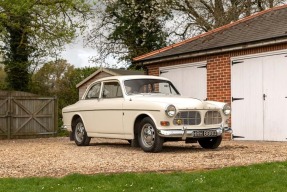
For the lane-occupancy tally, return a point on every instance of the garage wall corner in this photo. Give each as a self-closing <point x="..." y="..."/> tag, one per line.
<point x="219" y="78"/>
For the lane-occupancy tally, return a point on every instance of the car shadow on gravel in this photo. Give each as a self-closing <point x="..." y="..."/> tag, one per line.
<point x="228" y="147"/>
<point x="112" y="144"/>
<point x="196" y="148"/>
<point x="184" y="149"/>
<point x="167" y="148"/>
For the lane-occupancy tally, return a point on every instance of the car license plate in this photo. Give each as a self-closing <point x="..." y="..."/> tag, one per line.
<point x="207" y="133"/>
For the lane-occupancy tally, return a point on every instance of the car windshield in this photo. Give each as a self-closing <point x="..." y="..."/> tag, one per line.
<point x="150" y="86"/>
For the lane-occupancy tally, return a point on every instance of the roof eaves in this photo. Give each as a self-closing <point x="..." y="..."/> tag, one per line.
<point x="217" y="50"/>
<point x="111" y="72"/>
<point x="139" y="58"/>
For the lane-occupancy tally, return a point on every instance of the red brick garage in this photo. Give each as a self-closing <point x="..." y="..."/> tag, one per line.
<point x="227" y="64"/>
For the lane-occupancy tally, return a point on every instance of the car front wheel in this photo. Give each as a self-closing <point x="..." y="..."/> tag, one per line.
<point x="210" y="143"/>
<point x="80" y="134"/>
<point x="148" y="138"/>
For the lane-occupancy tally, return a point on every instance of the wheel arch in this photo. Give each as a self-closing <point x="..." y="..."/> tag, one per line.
<point x="138" y="120"/>
<point x="75" y="117"/>
<point x="153" y="144"/>
<point x="73" y="124"/>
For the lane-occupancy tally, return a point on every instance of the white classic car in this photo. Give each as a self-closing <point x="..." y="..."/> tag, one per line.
<point x="146" y="111"/>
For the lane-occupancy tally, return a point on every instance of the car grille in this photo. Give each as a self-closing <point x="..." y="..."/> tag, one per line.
<point x="187" y="118"/>
<point x="212" y="117"/>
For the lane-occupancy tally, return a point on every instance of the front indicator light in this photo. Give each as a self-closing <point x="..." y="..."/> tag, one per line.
<point x="164" y="123"/>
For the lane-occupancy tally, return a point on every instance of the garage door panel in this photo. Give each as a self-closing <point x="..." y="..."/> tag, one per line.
<point x="237" y="117"/>
<point x="262" y="82"/>
<point x="194" y="78"/>
<point x="173" y="76"/>
<point x="275" y="104"/>
<point x="247" y="117"/>
<point x="245" y="126"/>
<point x="190" y="80"/>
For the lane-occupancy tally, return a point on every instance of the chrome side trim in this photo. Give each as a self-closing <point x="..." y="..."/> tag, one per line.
<point x="143" y="110"/>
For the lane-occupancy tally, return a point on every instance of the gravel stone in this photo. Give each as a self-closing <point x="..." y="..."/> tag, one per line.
<point x="57" y="157"/>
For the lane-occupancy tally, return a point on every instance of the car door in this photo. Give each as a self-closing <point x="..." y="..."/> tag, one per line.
<point x="102" y="110"/>
<point x="109" y="116"/>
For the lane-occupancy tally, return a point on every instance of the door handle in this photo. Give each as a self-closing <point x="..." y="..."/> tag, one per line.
<point x="264" y="96"/>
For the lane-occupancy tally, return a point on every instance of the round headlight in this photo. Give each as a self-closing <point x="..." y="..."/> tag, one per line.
<point x="170" y="111"/>
<point x="226" y="109"/>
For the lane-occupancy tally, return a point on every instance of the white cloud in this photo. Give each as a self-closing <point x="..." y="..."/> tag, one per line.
<point x="79" y="56"/>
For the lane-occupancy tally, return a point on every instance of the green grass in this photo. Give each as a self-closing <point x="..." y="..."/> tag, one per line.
<point x="262" y="177"/>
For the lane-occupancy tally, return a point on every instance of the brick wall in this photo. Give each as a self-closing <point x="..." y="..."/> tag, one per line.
<point x="218" y="71"/>
<point x="219" y="78"/>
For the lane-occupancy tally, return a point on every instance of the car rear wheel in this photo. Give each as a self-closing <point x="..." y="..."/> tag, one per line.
<point x="148" y="138"/>
<point x="210" y="143"/>
<point x="80" y="134"/>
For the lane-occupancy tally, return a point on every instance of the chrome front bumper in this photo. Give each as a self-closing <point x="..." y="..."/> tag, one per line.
<point x="189" y="133"/>
<point x="66" y="127"/>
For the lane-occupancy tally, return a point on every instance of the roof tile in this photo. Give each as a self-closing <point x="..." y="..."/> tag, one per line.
<point x="268" y="24"/>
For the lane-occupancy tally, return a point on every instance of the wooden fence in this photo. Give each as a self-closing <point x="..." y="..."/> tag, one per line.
<point x="27" y="115"/>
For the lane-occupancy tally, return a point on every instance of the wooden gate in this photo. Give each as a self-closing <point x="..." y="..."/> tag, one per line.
<point x="25" y="114"/>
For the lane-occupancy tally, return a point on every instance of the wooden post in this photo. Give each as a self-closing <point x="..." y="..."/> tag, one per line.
<point x="9" y="115"/>
<point x="55" y="115"/>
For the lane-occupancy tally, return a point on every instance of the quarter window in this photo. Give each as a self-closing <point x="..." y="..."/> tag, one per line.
<point x="94" y="91"/>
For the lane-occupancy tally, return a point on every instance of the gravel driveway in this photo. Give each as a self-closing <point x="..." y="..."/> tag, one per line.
<point x="58" y="157"/>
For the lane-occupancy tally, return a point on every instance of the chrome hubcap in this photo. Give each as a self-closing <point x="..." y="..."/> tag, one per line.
<point x="79" y="132"/>
<point x="148" y="135"/>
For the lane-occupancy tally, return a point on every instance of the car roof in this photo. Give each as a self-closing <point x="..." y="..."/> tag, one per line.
<point x="130" y="77"/>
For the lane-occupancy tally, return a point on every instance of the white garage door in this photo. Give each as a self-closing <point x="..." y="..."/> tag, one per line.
<point x="189" y="79"/>
<point x="259" y="97"/>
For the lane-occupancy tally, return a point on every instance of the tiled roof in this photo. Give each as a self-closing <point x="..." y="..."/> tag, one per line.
<point x="265" y="25"/>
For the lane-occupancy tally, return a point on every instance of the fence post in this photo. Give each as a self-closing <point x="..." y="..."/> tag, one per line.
<point x="9" y="114"/>
<point x="55" y="115"/>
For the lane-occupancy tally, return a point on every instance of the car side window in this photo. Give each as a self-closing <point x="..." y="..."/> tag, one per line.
<point x="94" y="91"/>
<point x="112" y="90"/>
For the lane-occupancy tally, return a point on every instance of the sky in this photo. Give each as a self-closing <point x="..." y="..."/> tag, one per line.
<point x="79" y="56"/>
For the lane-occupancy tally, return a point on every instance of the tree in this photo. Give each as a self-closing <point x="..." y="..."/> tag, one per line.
<point x="205" y="15"/>
<point x="31" y="29"/>
<point x="128" y="28"/>
<point x="49" y="79"/>
<point x="59" y="78"/>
